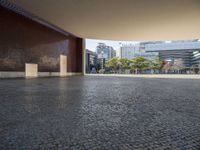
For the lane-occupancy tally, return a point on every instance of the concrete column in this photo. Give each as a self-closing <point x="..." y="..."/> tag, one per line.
<point x="84" y="55"/>
<point x="63" y="65"/>
<point x="31" y="70"/>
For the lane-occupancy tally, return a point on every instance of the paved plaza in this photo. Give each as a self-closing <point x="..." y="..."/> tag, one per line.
<point x="100" y="113"/>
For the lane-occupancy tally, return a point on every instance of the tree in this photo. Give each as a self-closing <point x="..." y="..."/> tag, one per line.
<point x="157" y="64"/>
<point x="113" y="64"/>
<point x="139" y="64"/>
<point x="124" y="64"/>
<point x="101" y="71"/>
<point x="167" y="67"/>
<point x="178" y="65"/>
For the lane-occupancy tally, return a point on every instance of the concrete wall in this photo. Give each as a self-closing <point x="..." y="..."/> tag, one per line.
<point x="25" y="41"/>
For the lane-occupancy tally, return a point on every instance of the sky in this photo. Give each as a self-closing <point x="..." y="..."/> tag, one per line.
<point x="92" y="43"/>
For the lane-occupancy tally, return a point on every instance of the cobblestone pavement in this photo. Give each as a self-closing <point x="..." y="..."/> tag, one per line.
<point x="102" y="113"/>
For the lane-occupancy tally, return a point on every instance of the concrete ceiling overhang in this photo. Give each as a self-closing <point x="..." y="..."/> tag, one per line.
<point x="121" y="19"/>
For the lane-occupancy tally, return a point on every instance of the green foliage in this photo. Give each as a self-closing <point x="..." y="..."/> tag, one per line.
<point x="139" y="64"/>
<point x="156" y="64"/>
<point x="101" y="71"/>
<point x="113" y="64"/>
<point x="136" y="64"/>
<point x="124" y="63"/>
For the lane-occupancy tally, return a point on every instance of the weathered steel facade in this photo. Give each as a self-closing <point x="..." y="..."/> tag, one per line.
<point x="23" y="40"/>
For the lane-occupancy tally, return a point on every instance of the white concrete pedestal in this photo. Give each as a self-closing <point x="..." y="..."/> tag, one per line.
<point x="63" y="65"/>
<point x="31" y="70"/>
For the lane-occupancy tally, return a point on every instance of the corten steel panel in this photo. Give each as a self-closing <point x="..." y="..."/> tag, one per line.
<point x="25" y="41"/>
<point x="79" y="54"/>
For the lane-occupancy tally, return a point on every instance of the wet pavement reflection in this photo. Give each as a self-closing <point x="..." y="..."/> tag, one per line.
<point x="99" y="113"/>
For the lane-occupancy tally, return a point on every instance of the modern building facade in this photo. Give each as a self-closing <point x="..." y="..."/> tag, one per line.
<point x="187" y="51"/>
<point x="130" y="51"/>
<point x="104" y="51"/>
<point x="196" y="58"/>
<point x="127" y="51"/>
<point x="24" y="40"/>
<point x="91" y="61"/>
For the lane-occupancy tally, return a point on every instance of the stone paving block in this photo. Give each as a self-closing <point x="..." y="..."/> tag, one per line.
<point x="95" y="113"/>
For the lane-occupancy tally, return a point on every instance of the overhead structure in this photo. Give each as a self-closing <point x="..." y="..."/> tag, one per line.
<point x="120" y="19"/>
<point x="46" y="37"/>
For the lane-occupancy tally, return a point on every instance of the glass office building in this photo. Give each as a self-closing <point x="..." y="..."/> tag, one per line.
<point x="187" y="51"/>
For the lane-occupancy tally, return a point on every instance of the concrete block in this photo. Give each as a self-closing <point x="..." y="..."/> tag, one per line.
<point x="63" y="65"/>
<point x="31" y="70"/>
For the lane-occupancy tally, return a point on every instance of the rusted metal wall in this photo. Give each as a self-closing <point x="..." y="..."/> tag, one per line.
<point x="25" y="41"/>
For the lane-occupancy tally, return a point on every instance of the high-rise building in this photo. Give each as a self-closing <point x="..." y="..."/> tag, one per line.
<point x="131" y="51"/>
<point x="127" y="51"/>
<point x="104" y="51"/>
<point x="118" y="51"/>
